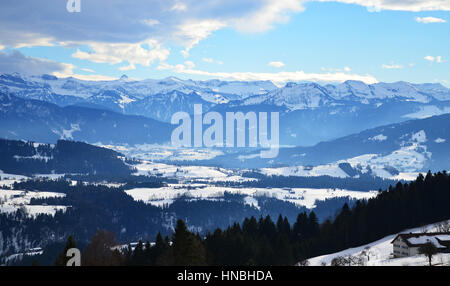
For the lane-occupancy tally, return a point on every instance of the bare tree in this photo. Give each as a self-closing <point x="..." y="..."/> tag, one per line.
<point x="349" y="260"/>
<point x="429" y="250"/>
<point x="443" y="226"/>
<point x="303" y="262"/>
<point x="339" y="261"/>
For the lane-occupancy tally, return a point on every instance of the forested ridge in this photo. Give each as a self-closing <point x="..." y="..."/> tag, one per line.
<point x="27" y="158"/>
<point x="261" y="241"/>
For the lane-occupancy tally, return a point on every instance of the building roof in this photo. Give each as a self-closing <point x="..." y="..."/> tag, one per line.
<point x="439" y="239"/>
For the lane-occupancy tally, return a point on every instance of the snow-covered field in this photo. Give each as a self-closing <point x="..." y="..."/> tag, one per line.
<point x="300" y="196"/>
<point x="213" y="174"/>
<point x="9" y="179"/>
<point x="332" y="170"/>
<point x="405" y="163"/>
<point x="12" y="200"/>
<point x="363" y="163"/>
<point x="379" y="253"/>
<point x="164" y="152"/>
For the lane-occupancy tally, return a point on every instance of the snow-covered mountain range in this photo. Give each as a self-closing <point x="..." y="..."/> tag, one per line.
<point x="309" y="112"/>
<point x="386" y="151"/>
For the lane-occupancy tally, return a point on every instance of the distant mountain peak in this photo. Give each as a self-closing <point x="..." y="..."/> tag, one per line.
<point x="173" y="78"/>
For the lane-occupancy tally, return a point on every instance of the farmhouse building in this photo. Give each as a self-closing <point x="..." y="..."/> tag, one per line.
<point x="408" y="244"/>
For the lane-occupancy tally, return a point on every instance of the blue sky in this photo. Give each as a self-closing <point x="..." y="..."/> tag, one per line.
<point x="283" y="40"/>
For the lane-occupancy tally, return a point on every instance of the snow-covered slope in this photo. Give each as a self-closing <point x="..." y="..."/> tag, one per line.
<point x="307" y="197"/>
<point x="46" y="122"/>
<point x="379" y="253"/>
<point x="312" y="95"/>
<point x="32" y="86"/>
<point x="309" y="112"/>
<point x="123" y="91"/>
<point x="404" y="90"/>
<point x="294" y="96"/>
<point x="12" y="200"/>
<point x="408" y="147"/>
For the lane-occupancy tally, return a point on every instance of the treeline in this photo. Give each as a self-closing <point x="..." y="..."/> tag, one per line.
<point x="27" y="158"/>
<point x="65" y="183"/>
<point x="91" y="207"/>
<point x="365" y="182"/>
<point x="263" y="242"/>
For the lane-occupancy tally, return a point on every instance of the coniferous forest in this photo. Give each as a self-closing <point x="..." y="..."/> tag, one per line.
<point x="265" y="241"/>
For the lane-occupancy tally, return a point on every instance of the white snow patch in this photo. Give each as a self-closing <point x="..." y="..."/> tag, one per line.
<point x="379" y="137"/>
<point x="12" y="200"/>
<point x="419" y="137"/>
<point x="332" y="170"/>
<point x="300" y="196"/>
<point x="379" y="253"/>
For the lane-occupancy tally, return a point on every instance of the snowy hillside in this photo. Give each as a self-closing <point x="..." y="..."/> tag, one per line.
<point x="118" y="94"/>
<point x="379" y="253"/>
<point x="309" y="112"/>
<point x="36" y="86"/>
<point x="312" y="95"/>
<point x="13" y="200"/>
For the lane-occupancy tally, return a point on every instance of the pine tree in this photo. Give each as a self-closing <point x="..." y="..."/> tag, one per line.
<point x="62" y="257"/>
<point x="99" y="253"/>
<point x="187" y="249"/>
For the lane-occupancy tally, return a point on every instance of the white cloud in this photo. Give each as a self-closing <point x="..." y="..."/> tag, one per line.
<point x="192" y="32"/>
<point x="428" y="20"/>
<point x="279" y="77"/>
<point x="143" y="53"/>
<point x="159" y="20"/>
<point x="189" y="64"/>
<point x="179" y="7"/>
<point x="164" y="66"/>
<point x="91" y="77"/>
<point x="87" y="70"/>
<point x="150" y="22"/>
<point x="186" y="21"/>
<point x="212" y="61"/>
<point x="437" y="59"/>
<point x="18" y="62"/>
<point x="264" y="18"/>
<point x="127" y="68"/>
<point x="399" y="5"/>
<point x="29" y="40"/>
<point x="276" y="64"/>
<point x="392" y="66"/>
<point x="345" y="69"/>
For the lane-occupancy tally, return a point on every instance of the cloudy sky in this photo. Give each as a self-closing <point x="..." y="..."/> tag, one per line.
<point x="278" y="40"/>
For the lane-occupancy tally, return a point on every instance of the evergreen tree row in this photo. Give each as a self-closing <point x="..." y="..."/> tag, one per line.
<point x="263" y="242"/>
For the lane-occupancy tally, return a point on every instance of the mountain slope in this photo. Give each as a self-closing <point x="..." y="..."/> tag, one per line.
<point x="45" y="122"/>
<point x="411" y="146"/>
<point x="19" y="157"/>
<point x="309" y="112"/>
<point x="162" y="106"/>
